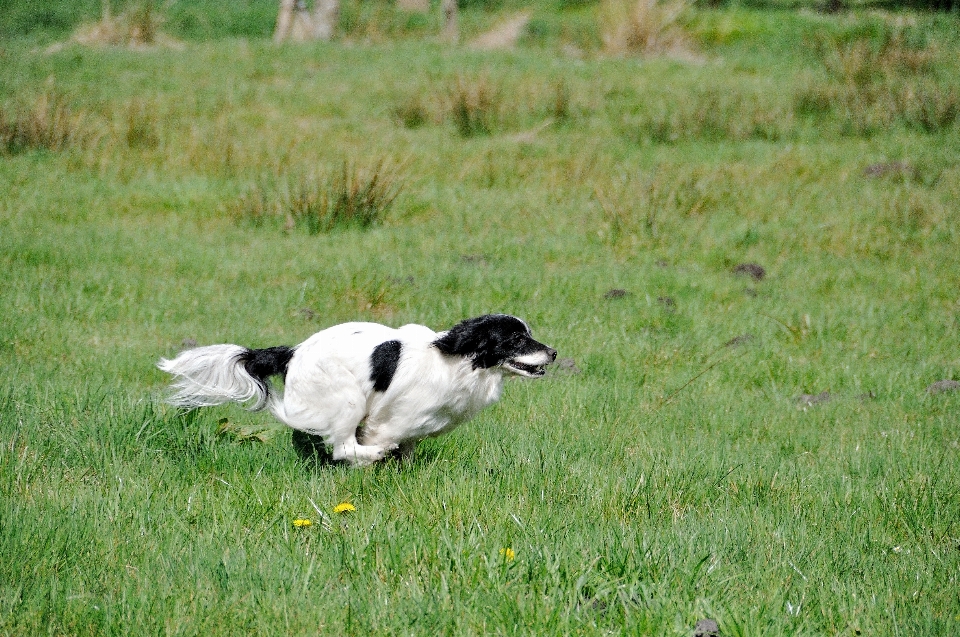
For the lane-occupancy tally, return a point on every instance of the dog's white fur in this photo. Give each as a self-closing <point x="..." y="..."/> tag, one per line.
<point x="328" y="390"/>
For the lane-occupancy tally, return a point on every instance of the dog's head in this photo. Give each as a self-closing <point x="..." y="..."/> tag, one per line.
<point x="497" y="340"/>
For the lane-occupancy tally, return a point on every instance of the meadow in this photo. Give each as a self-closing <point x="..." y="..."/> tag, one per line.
<point x="750" y="252"/>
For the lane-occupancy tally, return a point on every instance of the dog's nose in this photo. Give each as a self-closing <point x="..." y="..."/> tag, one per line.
<point x="552" y="353"/>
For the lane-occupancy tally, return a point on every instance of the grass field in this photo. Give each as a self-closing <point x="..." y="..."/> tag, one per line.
<point x="148" y="200"/>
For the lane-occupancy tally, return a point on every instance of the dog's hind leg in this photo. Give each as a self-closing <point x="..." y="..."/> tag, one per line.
<point x="345" y="447"/>
<point x="334" y="416"/>
<point x="406" y="450"/>
<point x="353" y="452"/>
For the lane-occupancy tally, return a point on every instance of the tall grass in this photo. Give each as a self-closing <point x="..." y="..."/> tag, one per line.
<point x="708" y="114"/>
<point x="141" y="128"/>
<point x="138" y="25"/>
<point x="45" y="124"/>
<point x="873" y="83"/>
<point x="646" y="27"/>
<point x="350" y="197"/>
<point x="474" y="106"/>
<point x="477" y="105"/>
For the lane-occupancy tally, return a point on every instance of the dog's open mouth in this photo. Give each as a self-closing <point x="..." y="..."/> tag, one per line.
<point x="521" y="369"/>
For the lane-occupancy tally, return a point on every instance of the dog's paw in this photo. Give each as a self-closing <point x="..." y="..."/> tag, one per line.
<point x="385" y="451"/>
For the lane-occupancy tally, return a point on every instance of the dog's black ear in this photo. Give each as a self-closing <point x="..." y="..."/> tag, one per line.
<point x="471" y="339"/>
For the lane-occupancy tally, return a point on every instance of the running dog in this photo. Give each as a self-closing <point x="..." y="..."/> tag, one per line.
<point x="367" y="389"/>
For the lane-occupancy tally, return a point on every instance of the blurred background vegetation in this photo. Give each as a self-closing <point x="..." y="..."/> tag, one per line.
<point x="209" y="19"/>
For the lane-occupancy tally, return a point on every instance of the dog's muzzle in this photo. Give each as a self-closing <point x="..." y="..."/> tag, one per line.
<point x="531" y="365"/>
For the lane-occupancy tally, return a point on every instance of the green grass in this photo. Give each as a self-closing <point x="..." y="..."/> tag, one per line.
<point x="674" y="479"/>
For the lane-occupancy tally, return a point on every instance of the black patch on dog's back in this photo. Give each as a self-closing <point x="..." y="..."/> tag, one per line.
<point x="383" y="364"/>
<point x="272" y="361"/>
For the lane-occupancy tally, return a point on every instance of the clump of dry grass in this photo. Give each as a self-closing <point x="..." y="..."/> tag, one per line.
<point x="478" y="106"/>
<point x="621" y="209"/>
<point x="655" y="208"/>
<point x="641" y="205"/>
<point x="373" y="296"/>
<point x="349" y="198"/>
<point x="645" y="27"/>
<point x="864" y="62"/>
<point x="260" y="204"/>
<point x="474" y="106"/>
<point x="710" y="115"/>
<point x="137" y="27"/>
<point x="931" y="106"/>
<point x="560" y="106"/>
<point x="871" y="84"/>
<point x="47" y="124"/>
<point x="141" y="128"/>
<point x="413" y="112"/>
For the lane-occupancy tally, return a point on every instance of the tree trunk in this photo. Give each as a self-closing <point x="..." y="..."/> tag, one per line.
<point x="414" y="6"/>
<point x="302" y="23"/>
<point x="284" y="20"/>
<point x="326" y="15"/>
<point x="451" y="32"/>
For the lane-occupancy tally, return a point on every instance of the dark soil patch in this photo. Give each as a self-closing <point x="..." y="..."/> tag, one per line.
<point x="943" y="386"/>
<point x="752" y="270"/>
<point x="737" y="341"/>
<point x="566" y="366"/>
<point x="306" y="314"/>
<point x="809" y="400"/>
<point x="615" y="293"/>
<point x="900" y="169"/>
<point x="706" y="628"/>
<point x="475" y="259"/>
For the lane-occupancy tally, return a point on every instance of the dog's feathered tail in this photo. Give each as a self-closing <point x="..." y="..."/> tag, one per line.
<point x="218" y="374"/>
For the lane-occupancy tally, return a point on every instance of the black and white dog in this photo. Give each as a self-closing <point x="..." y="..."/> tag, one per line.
<point x="364" y="388"/>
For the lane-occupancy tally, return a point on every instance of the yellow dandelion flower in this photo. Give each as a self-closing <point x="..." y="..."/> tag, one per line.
<point x="508" y="553"/>
<point x="302" y="522"/>
<point x="344" y="507"/>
